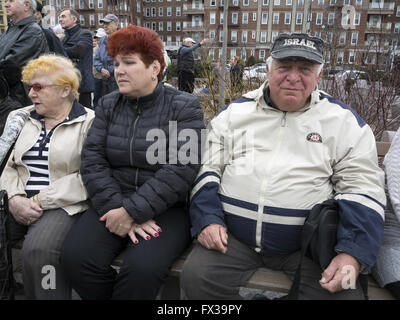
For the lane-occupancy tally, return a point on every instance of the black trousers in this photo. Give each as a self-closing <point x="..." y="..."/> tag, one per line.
<point x="90" y="248"/>
<point x="186" y="81"/>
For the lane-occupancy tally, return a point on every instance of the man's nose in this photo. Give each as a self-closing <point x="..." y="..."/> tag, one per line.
<point x="293" y="75"/>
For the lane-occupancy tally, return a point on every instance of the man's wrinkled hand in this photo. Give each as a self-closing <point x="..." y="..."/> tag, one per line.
<point x="214" y="237"/>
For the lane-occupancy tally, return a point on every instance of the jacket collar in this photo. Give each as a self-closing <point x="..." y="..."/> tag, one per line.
<point x="23" y="21"/>
<point x="145" y="99"/>
<point x="72" y="30"/>
<point x="76" y="111"/>
<point x="265" y="102"/>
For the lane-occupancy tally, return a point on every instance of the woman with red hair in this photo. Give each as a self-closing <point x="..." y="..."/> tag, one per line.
<point x="136" y="184"/>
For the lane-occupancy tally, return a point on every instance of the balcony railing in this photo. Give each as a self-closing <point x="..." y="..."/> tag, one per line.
<point x="195" y="25"/>
<point x="385" y="27"/>
<point x="383" y="6"/>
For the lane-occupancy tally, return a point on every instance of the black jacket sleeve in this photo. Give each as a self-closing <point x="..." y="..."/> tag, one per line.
<point x="104" y="191"/>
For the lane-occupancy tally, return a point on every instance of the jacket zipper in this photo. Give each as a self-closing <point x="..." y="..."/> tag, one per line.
<point x="131" y="145"/>
<point x="283" y="121"/>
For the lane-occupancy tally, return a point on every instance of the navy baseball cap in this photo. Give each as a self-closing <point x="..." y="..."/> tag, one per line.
<point x="298" y="45"/>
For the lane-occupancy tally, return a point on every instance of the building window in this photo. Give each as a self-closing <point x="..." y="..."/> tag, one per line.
<point x="91" y="19"/>
<point x="99" y="17"/>
<point x="178" y="11"/>
<point x="254" y="16"/>
<point x="213" y="3"/>
<point x="235" y="3"/>
<point x="263" y="36"/>
<point x="276" y="18"/>
<point x="169" y="11"/>
<point x="154" y="12"/>
<point x="253" y="35"/>
<point x="274" y="35"/>
<point x="212" y="34"/>
<point x="354" y="37"/>
<point x="178" y="26"/>
<point x="265" y="2"/>
<point x="244" y="36"/>
<point x="396" y="28"/>
<point x="160" y="26"/>
<point x="352" y="56"/>
<point x="246" y="3"/>
<point x="398" y="11"/>
<point x="245" y="18"/>
<point x="299" y="18"/>
<point x="234" y="36"/>
<point x="346" y="2"/>
<point x="288" y="2"/>
<point x="82" y="20"/>
<point x="221" y="36"/>
<point x="261" y="54"/>
<point x="235" y="18"/>
<point x="169" y="26"/>
<point x="357" y="18"/>
<point x="160" y="11"/>
<point x="212" y="17"/>
<point x="221" y="18"/>
<point x="340" y="57"/>
<point x="99" y="4"/>
<point x="243" y="55"/>
<point x="320" y="2"/>
<point x="342" y="38"/>
<point x="264" y="19"/>
<point x="252" y="52"/>
<point x="233" y="52"/>
<point x="277" y="2"/>
<point x="318" y="20"/>
<point x="300" y="3"/>
<point x="91" y="4"/>
<point x="332" y="2"/>
<point x="154" y="26"/>
<point x="288" y="17"/>
<point x="331" y="18"/>
<point x="358" y="2"/>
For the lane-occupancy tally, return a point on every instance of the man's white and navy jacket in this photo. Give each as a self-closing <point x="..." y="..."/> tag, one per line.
<point x="264" y="169"/>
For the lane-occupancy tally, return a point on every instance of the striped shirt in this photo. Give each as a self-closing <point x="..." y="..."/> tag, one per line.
<point x="37" y="161"/>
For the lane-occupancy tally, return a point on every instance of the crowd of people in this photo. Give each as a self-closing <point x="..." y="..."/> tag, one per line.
<point x="135" y="174"/>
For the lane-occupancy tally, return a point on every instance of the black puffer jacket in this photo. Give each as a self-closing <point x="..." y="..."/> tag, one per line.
<point x="114" y="166"/>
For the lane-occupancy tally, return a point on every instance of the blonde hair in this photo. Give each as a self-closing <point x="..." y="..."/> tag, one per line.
<point x="61" y="70"/>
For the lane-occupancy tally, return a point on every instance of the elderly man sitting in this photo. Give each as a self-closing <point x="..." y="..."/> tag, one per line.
<point x="270" y="157"/>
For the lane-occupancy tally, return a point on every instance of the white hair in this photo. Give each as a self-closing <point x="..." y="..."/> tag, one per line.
<point x="33" y="4"/>
<point x="269" y="64"/>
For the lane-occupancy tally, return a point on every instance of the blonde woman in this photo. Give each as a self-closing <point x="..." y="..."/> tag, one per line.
<point x="42" y="177"/>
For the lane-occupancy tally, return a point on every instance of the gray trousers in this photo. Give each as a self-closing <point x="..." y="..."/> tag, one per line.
<point x="209" y="274"/>
<point x="42" y="276"/>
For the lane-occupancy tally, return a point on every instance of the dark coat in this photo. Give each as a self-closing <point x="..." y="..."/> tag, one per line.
<point x="78" y="44"/>
<point x="53" y="42"/>
<point x="21" y="42"/>
<point x="116" y="158"/>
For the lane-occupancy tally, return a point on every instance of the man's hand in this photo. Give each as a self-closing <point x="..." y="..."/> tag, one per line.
<point x="24" y="210"/>
<point x="205" y="40"/>
<point x="118" y="221"/>
<point x="332" y="277"/>
<point x="214" y="237"/>
<point x="105" y="74"/>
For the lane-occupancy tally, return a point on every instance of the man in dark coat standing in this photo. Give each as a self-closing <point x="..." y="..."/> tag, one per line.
<point x="186" y="64"/>
<point x="23" y="41"/>
<point x="78" y="44"/>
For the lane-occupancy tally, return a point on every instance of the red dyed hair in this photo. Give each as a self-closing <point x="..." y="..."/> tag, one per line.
<point x="134" y="39"/>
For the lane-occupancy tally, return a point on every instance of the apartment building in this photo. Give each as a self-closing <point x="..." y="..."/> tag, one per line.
<point x="356" y="31"/>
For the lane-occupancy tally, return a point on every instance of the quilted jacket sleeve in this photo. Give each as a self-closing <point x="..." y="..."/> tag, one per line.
<point x="104" y="191"/>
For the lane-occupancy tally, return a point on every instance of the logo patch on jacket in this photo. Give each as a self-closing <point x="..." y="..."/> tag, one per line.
<point x="314" y="137"/>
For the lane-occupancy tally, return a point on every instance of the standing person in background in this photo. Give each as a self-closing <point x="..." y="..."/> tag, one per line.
<point x="53" y="41"/>
<point x="102" y="62"/>
<point x="100" y="33"/>
<point x="24" y="40"/>
<point x="236" y="72"/>
<point x="78" y="44"/>
<point x="186" y="64"/>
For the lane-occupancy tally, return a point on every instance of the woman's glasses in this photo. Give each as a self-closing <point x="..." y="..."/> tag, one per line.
<point x="37" y="86"/>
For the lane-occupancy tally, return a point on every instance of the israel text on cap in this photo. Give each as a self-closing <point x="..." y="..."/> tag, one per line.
<point x="298" y="45"/>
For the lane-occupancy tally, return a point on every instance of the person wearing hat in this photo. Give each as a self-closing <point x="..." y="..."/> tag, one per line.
<point x="186" y="64"/>
<point x="269" y="158"/>
<point x="103" y="63"/>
